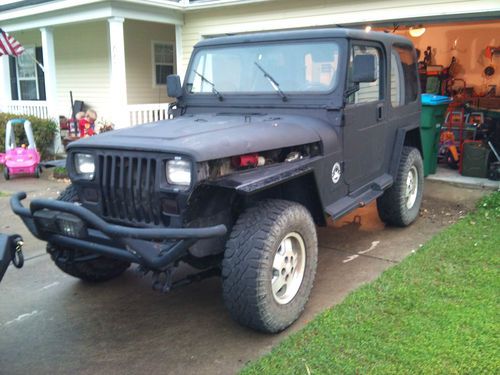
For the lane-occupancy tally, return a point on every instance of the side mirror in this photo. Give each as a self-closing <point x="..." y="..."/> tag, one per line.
<point x="363" y="69"/>
<point x="174" y="87"/>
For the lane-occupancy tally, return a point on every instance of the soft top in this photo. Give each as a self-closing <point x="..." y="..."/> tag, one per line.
<point x="305" y="34"/>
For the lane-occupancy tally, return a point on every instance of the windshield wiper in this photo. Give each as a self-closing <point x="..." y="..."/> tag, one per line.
<point x="272" y="81"/>
<point x="214" y="90"/>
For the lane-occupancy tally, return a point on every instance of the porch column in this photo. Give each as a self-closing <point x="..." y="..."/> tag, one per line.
<point x="49" y="71"/>
<point x="4" y="83"/>
<point x="118" y="78"/>
<point x="178" y="52"/>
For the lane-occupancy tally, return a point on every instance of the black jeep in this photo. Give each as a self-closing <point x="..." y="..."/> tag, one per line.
<point x="270" y="133"/>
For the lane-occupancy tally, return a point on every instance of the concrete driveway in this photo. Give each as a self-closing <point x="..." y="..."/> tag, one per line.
<point x="51" y="323"/>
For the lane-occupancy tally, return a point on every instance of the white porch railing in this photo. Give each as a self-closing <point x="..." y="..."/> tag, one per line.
<point x="144" y="113"/>
<point x="36" y="108"/>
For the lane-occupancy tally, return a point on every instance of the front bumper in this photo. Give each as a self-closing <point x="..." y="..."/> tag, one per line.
<point x="70" y="225"/>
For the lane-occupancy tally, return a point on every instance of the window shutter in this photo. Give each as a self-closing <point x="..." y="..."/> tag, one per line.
<point x="13" y="78"/>
<point x="40" y="74"/>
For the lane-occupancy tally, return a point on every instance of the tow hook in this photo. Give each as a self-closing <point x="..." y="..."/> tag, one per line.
<point x="11" y="250"/>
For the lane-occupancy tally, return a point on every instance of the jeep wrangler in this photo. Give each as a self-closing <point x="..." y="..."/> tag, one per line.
<point x="269" y="134"/>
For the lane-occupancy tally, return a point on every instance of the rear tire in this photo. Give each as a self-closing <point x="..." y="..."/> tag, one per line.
<point x="400" y="204"/>
<point x="96" y="268"/>
<point x="269" y="265"/>
<point x="6" y="174"/>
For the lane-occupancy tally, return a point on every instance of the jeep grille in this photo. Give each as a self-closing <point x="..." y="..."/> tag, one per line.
<point x="127" y="185"/>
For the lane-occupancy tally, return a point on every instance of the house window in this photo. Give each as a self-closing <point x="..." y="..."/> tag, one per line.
<point x="368" y="91"/>
<point x="27" y="81"/>
<point x="163" y="60"/>
<point x="396" y="78"/>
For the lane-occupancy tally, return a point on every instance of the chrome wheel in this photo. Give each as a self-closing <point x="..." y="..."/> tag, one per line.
<point x="288" y="268"/>
<point x="411" y="187"/>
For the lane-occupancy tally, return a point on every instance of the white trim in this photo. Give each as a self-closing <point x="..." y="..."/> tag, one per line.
<point x="118" y="76"/>
<point x="36" y="108"/>
<point x="179" y="65"/>
<point x="5" y="92"/>
<point x="85" y="11"/>
<point x="153" y="61"/>
<point x="49" y="70"/>
<point x="59" y="12"/>
<point x="143" y="113"/>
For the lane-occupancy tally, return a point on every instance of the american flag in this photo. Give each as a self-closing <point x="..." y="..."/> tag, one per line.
<point x="9" y="46"/>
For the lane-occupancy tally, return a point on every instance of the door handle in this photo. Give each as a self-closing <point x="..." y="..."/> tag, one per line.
<point x="380" y="111"/>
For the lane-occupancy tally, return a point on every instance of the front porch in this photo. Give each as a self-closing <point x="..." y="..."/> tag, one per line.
<point x="113" y="59"/>
<point x="136" y="114"/>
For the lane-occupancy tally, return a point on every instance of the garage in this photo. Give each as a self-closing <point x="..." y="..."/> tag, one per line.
<point x="460" y="60"/>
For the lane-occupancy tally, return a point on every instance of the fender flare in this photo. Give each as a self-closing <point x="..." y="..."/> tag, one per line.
<point x="400" y="141"/>
<point x="294" y="181"/>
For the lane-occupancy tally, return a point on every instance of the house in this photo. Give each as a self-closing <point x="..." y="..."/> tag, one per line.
<point x="115" y="55"/>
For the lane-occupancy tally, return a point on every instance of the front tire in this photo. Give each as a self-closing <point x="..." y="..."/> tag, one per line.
<point x="6" y="173"/>
<point x="400" y="204"/>
<point x="269" y="265"/>
<point x="70" y="261"/>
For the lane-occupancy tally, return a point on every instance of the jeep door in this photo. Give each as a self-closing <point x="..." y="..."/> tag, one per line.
<point x="365" y="124"/>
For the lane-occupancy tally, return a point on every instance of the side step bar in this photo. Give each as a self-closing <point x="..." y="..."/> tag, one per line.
<point x="359" y="198"/>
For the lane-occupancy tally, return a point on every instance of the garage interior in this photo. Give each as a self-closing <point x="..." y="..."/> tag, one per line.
<point x="460" y="60"/>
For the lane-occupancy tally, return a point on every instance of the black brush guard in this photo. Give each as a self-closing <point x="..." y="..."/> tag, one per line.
<point x="154" y="248"/>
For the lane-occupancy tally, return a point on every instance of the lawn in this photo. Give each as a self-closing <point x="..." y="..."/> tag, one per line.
<point x="435" y="313"/>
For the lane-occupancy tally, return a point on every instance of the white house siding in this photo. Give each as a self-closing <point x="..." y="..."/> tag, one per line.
<point x="288" y="14"/>
<point x="82" y="65"/>
<point x="29" y="37"/>
<point x="138" y="59"/>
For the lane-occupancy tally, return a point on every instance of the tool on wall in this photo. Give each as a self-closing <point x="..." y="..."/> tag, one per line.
<point x="490" y="52"/>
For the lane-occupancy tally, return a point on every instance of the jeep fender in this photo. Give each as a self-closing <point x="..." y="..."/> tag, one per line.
<point x="294" y="181"/>
<point x="407" y="136"/>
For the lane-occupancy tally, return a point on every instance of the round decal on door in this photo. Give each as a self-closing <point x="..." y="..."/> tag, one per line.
<point x="336" y="172"/>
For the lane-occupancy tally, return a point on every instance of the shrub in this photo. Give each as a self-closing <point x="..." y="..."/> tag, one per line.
<point x="60" y="173"/>
<point x="43" y="130"/>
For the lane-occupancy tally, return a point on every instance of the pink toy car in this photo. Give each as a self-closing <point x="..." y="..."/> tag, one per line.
<point x="23" y="159"/>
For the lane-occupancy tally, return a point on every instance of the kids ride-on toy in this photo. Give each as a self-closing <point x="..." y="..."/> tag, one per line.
<point x="23" y="159"/>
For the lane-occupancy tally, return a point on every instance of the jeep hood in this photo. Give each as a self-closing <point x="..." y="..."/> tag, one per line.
<point x="210" y="136"/>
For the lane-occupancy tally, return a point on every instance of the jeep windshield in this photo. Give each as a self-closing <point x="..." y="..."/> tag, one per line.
<point x="284" y="68"/>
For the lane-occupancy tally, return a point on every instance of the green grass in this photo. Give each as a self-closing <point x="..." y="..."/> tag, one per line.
<point x="435" y="313"/>
<point x="4" y="194"/>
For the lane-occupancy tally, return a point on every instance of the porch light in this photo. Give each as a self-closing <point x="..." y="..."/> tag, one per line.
<point x="416" y="31"/>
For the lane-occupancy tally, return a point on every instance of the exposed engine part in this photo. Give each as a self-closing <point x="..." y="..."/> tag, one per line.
<point x="249" y="160"/>
<point x="293" y="156"/>
<point x="221" y="167"/>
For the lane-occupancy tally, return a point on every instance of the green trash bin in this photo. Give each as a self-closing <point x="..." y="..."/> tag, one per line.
<point x="432" y="117"/>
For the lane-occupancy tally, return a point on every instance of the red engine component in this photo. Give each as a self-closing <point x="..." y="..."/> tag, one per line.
<point x="249" y="160"/>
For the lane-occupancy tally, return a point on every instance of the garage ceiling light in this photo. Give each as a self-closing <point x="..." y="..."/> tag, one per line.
<point x="416" y="31"/>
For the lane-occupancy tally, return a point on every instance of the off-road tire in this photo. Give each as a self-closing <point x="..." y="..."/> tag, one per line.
<point x="391" y="205"/>
<point x="92" y="270"/>
<point x="247" y="265"/>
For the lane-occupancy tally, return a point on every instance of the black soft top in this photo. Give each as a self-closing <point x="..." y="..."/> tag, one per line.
<point x="305" y="34"/>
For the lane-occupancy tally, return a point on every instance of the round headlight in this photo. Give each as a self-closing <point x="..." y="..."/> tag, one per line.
<point x="85" y="165"/>
<point x="179" y="172"/>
